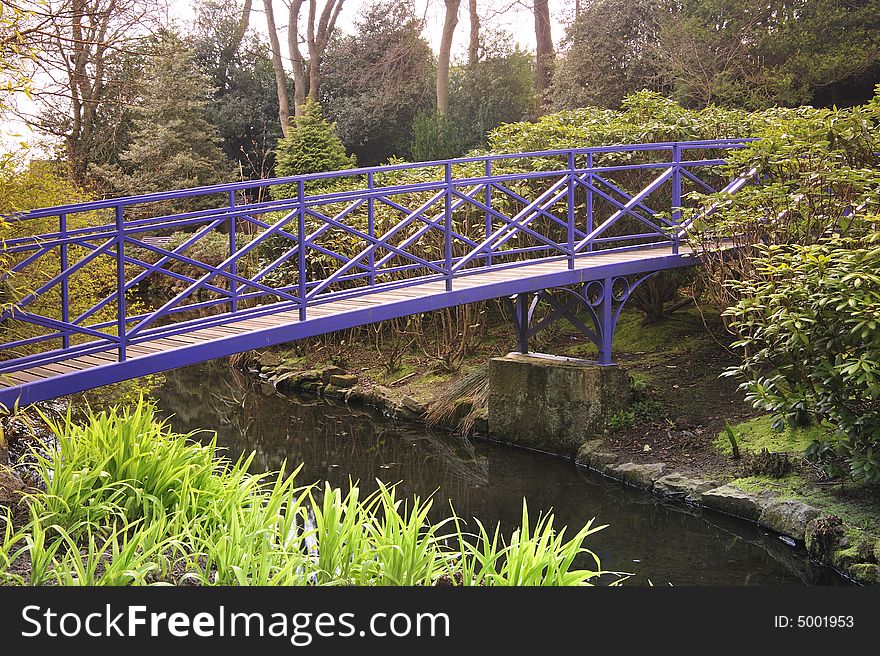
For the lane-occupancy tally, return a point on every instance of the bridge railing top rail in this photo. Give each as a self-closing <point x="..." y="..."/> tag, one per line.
<point x="250" y="185"/>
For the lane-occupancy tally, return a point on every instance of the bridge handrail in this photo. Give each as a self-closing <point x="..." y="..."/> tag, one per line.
<point x="125" y="201"/>
<point x="515" y="229"/>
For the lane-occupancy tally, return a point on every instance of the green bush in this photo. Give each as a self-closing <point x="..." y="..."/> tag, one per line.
<point x="808" y="328"/>
<point x="311" y="146"/>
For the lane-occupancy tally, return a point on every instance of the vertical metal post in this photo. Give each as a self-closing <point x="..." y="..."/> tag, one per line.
<point x="120" y="282"/>
<point x="590" y="199"/>
<point x="676" y="194"/>
<point x="605" y="321"/>
<point x="571" y="210"/>
<point x="65" y="283"/>
<point x="489" y="221"/>
<point x="301" y="236"/>
<point x="447" y="227"/>
<point x="371" y="226"/>
<point x="233" y="248"/>
<point x="522" y="323"/>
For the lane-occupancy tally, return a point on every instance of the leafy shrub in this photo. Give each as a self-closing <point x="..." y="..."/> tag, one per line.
<point x="808" y="328"/>
<point x="436" y="137"/>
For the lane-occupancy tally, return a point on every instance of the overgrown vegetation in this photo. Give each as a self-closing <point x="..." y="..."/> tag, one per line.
<point x="128" y="502"/>
<point x="808" y="327"/>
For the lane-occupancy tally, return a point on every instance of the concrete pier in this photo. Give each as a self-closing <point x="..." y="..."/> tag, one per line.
<point x="552" y="403"/>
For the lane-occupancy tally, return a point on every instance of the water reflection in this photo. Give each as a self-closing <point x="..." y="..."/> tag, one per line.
<point x="335" y="442"/>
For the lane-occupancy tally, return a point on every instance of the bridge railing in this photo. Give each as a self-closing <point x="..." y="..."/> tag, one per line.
<point x="109" y="274"/>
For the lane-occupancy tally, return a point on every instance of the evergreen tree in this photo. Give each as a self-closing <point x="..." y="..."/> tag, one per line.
<point x="378" y="80"/>
<point x="311" y="146"/>
<point x="174" y="144"/>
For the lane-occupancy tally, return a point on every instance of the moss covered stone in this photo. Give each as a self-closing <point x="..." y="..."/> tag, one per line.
<point x="638" y="475"/>
<point x="552" y="403"/>
<point x="733" y="501"/>
<point x="788" y="517"/>
<point x="679" y="486"/>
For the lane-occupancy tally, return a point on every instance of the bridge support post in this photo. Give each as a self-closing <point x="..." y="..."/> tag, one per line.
<point x="552" y="403"/>
<point x="604" y="320"/>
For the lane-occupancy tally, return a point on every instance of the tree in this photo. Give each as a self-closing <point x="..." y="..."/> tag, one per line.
<point x="544" y="53"/>
<point x="443" y="56"/>
<point x="756" y="54"/>
<point x="16" y="49"/>
<point x="320" y="27"/>
<point x="278" y="68"/>
<point x="378" y="79"/>
<point x="174" y="145"/>
<point x="497" y="88"/>
<point x="474" y="36"/>
<point x="85" y="49"/>
<point x="245" y="106"/>
<point x="311" y="146"/>
<point x="608" y="53"/>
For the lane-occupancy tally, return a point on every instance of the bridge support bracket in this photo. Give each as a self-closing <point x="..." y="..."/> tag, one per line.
<point x="603" y="300"/>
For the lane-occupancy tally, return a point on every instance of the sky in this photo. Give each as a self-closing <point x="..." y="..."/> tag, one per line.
<point x="512" y="16"/>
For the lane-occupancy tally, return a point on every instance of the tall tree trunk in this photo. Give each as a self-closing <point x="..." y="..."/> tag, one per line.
<point x="299" y="63"/>
<point x="474" y="42"/>
<point x="318" y="36"/>
<point x="278" y="67"/>
<point x="444" y="55"/>
<point x="544" y="52"/>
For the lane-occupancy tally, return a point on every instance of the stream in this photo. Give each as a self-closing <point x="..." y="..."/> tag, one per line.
<point x="657" y="541"/>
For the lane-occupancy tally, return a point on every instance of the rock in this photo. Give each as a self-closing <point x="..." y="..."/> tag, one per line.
<point x="733" y="501"/>
<point x="269" y="360"/>
<point x="822" y="537"/>
<point x="866" y="551"/>
<point x="343" y="380"/>
<point x="11" y="488"/>
<point x="333" y="391"/>
<point x="357" y="395"/>
<point x="412" y="405"/>
<point x="590" y="454"/>
<point x="679" y="486"/>
<point x="294" y="380"/>
<point x="865" y="573"/>
<point x="877" y="551"/>
<point x="328" y="372"/>
<point x="640" y="476"/>
<point x="788" y="517"/>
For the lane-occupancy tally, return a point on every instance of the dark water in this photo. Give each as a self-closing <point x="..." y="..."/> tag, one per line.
<point x="662" y="542"/>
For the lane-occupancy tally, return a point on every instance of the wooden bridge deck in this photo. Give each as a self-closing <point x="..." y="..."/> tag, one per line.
<point x="237" y="335"/>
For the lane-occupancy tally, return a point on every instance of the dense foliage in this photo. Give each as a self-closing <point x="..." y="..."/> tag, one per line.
<point x="808" y="323"/>
<point x="128" y="502"/>
<point x="751" y="53"/>
<point x="173" y="144"/>
<point x="377" y="80"/>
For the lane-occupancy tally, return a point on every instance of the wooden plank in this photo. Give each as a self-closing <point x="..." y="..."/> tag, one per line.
<point x="34" y="374"/>
<point x="11" y="380"/>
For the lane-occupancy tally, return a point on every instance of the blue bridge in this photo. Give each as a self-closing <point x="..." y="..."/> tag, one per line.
<point x="104" y="291"/>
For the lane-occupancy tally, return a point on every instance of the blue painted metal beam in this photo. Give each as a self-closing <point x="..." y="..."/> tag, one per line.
<point x="483" y="213"/>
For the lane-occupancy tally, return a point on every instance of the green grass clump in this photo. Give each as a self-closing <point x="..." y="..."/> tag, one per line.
<point x="757" y="434"/>
<point x="129" y="502"/>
